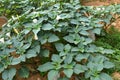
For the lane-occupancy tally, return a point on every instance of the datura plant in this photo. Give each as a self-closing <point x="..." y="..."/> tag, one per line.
<point x="66" y="27"/>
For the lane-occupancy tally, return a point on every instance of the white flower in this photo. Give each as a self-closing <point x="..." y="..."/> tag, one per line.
<point x="98" y="9"/>
<point x="2" y="40"/>
<point x="8" y="25"/>
<point x="35" y="20"/>
<point x="103" y="8"/>
<point x="35" y="12"/>
<point x="58" y="17"/>
<point x="8" y="34"/>
<point x="13" y="18"/>
<point x="35" y="37"/>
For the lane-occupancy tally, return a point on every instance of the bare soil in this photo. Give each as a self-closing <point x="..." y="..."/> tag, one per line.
<point x="99" y="2"/>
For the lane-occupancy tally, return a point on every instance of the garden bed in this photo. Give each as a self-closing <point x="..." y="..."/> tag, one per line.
<point x="34" y="75"/>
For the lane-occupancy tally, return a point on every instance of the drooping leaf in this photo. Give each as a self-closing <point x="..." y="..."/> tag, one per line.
<point x="83" y="32"/>
<point x="53" y="75"/>
<point x="79" y="57"/>
<point x="59" y="46"/>
<point x="47" y="26"/>
<point x="108" y="64"/>
<point x="53" y="38"/>
<point x="97" y="31"/>
<point x="68" y="72"/>
<point x="104" y="76"/>
<point x="79" y="68"/>
<point x="95" y="78"/>
<point x="56" y="58"/>
<point x="1" y="68"/>
<point x="9" y="74"/>
<point x="31" y="53"/>
<point x="68" y="59"/>
<point x="45" y="67"/>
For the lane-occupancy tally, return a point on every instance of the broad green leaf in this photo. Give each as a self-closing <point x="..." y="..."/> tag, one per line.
<point x="81" y="56"/>
<point x="73" y="21"/>
<point x="88" y="74"/>
<point x="22" y="58"/>
<point x="35" y="31"/>
<point x="68" y="72"/>
<point x="45" y="53"/>
<point x="47" y="26"/>
<point x="45" y="67"/>
<point x="53" y="38"/>
<point x="92" y="49"/>
<point x="108" y="64"/>
<point x="53" y="75"/>
<point x="83" y="32"/>
<point x="79" y="68"/>
<point x="99" y="66"/>
<point x="62" y="53"/>
<point x="31" y="53"/>
<point x="23" y="72"/>
<point x="75" y="49"/>
<point x="87" y="41"/>
<point x="104" y="76"/>
<point x="69" y="39"/>
<point x="59" y="46"/>
<point x="67" y="47"/>
<point x="69" y="66"/>
<point x="57" y="5"/>
<point x="68" y="59"/>
<point x="37" y="48"/>
<point x="9" y="74"/>
<point x="15" y="61"/>
<point x="107" y="51"/>
<point x="91" y="65"/>
<point x="56" y="58"/>
<point x="26" y="46"/>
<point x="84" y="19"/>
<point x="1" y="68"/>
<point x="95" y="78"/>
<point x="97" y="31"/>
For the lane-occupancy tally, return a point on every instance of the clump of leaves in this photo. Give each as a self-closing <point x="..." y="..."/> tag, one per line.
<point x="111" y="40"/>
<point x="58" y="31"/>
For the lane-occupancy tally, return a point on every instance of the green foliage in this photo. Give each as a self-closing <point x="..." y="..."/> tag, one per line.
<point x="8" y="74"/>
<point x="23" y="72"/>
<point x="111" y="40"/>
<point x="57" y="30"/>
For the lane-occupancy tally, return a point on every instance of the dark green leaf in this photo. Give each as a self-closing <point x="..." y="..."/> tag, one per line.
<point x="45" y="53"/>
<point x="53" y="38"/>
<point x="23" y="72"/>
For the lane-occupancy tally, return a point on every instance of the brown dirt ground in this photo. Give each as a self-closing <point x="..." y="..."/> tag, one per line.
<point x="99" y="2"/>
